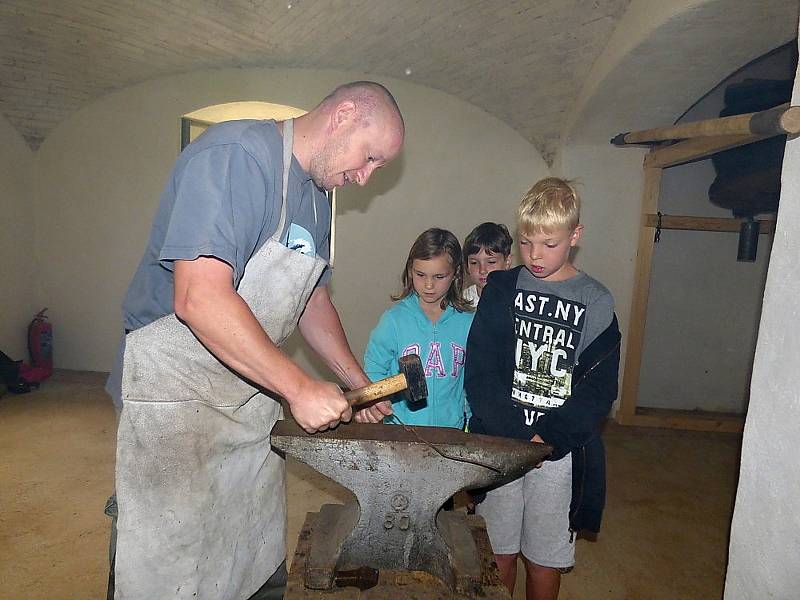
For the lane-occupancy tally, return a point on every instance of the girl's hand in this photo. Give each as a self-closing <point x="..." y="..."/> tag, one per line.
<point x="374" y="413"/>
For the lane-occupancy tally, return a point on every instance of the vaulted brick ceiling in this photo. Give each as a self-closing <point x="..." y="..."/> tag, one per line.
<point x="520" y="60"/>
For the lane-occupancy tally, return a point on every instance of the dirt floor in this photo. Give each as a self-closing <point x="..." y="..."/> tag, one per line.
<point x="665" y="530"/>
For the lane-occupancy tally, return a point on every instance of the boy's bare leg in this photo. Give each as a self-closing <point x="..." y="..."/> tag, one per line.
<point x="541" y="583"/>
<point x="507" y="565"/>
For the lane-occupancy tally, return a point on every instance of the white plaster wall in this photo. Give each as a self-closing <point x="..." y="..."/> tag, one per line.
<point x="17" y="264"/>
<point x="100" y="173"/>
<point x="661" y="58"/>
<point x="705" y="363"/>
<point x="764" y="550"/>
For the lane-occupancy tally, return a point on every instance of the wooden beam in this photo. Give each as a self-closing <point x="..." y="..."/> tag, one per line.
<point x="779" y="120"/>
<point x="186" y="132"/>
<point x="689" y="150"/>
<point x="641" y="290"/>
<point x="704" y="223"/>
<point x="683" y="419"/>
<point x="201" y="122"/>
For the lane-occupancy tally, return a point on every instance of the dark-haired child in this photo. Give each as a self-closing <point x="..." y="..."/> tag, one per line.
<point x="487" y="248"/>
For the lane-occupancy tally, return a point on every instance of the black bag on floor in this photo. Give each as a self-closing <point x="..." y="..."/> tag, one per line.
<point x="9" y="374"/>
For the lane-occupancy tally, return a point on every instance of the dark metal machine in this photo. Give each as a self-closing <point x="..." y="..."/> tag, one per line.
<point x="401" y="476"/>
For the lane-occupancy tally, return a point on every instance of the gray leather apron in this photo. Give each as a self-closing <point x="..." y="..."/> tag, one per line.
<point x="202" y="498"/>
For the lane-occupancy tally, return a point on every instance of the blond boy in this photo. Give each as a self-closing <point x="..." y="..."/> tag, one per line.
<point x="542" y="365"/>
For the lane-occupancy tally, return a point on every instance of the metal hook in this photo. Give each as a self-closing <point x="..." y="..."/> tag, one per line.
<point x="657" y="236"/>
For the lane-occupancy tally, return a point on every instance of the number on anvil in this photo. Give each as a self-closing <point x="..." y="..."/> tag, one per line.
<point x="400" y="519"/>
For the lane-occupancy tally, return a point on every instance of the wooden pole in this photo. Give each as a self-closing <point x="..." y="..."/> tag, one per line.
<point x="641" y="291"/>
<point x="697" y="148"/>
<point x="780" y="120"/>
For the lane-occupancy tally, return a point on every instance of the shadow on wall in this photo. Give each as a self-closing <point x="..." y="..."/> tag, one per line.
<point x="355" y="198"/>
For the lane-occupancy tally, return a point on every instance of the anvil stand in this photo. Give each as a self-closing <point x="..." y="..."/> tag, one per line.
<point x="400" y="476"/>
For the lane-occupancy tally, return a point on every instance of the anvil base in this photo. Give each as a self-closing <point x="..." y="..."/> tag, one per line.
<point x="398" y="585"/>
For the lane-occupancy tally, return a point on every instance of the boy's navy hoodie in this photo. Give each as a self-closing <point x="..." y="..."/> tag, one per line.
<point x="572" y="427"/>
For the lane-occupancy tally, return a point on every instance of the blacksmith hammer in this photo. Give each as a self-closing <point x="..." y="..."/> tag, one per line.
<point x="410" y="380"/>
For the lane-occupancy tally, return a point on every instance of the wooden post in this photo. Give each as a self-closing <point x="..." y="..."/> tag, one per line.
<point x="641" y="292"/>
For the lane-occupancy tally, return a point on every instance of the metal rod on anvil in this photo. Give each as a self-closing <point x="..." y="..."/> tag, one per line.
<point x="401" y="476"/>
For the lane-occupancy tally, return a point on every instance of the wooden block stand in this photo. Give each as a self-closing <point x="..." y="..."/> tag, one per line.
<point x="397" y="585"/>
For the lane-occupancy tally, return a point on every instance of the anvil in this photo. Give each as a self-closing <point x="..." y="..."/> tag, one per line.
<point x="401" y="476"/>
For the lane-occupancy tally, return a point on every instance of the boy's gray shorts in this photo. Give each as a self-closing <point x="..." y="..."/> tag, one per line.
<point x="531" y="515"/>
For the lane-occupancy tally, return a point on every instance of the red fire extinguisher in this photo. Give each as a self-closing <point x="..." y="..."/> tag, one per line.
<point x="40" y="345"/>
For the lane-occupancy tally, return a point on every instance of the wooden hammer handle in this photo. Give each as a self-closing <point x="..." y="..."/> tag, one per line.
<point x="379" y="389"/>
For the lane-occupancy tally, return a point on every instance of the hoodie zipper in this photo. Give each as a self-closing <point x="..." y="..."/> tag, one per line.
<point x="596" y="363"/>
<point x="579" y="503"/>
<point x="435" y="407"/>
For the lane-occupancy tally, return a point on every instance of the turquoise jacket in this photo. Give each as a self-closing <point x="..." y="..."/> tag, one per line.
<point x="405" y="329"/>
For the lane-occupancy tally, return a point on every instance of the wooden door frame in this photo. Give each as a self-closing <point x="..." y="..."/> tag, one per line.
<point x="698" y="140"/>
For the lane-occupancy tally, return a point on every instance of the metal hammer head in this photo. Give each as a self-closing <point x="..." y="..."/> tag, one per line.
<point x="416" y="391"/>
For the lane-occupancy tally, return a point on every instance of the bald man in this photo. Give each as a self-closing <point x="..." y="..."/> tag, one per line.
<point x="237" y="259"/>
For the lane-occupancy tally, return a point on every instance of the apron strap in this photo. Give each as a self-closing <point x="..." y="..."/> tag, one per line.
<point x="288" y="137"/>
